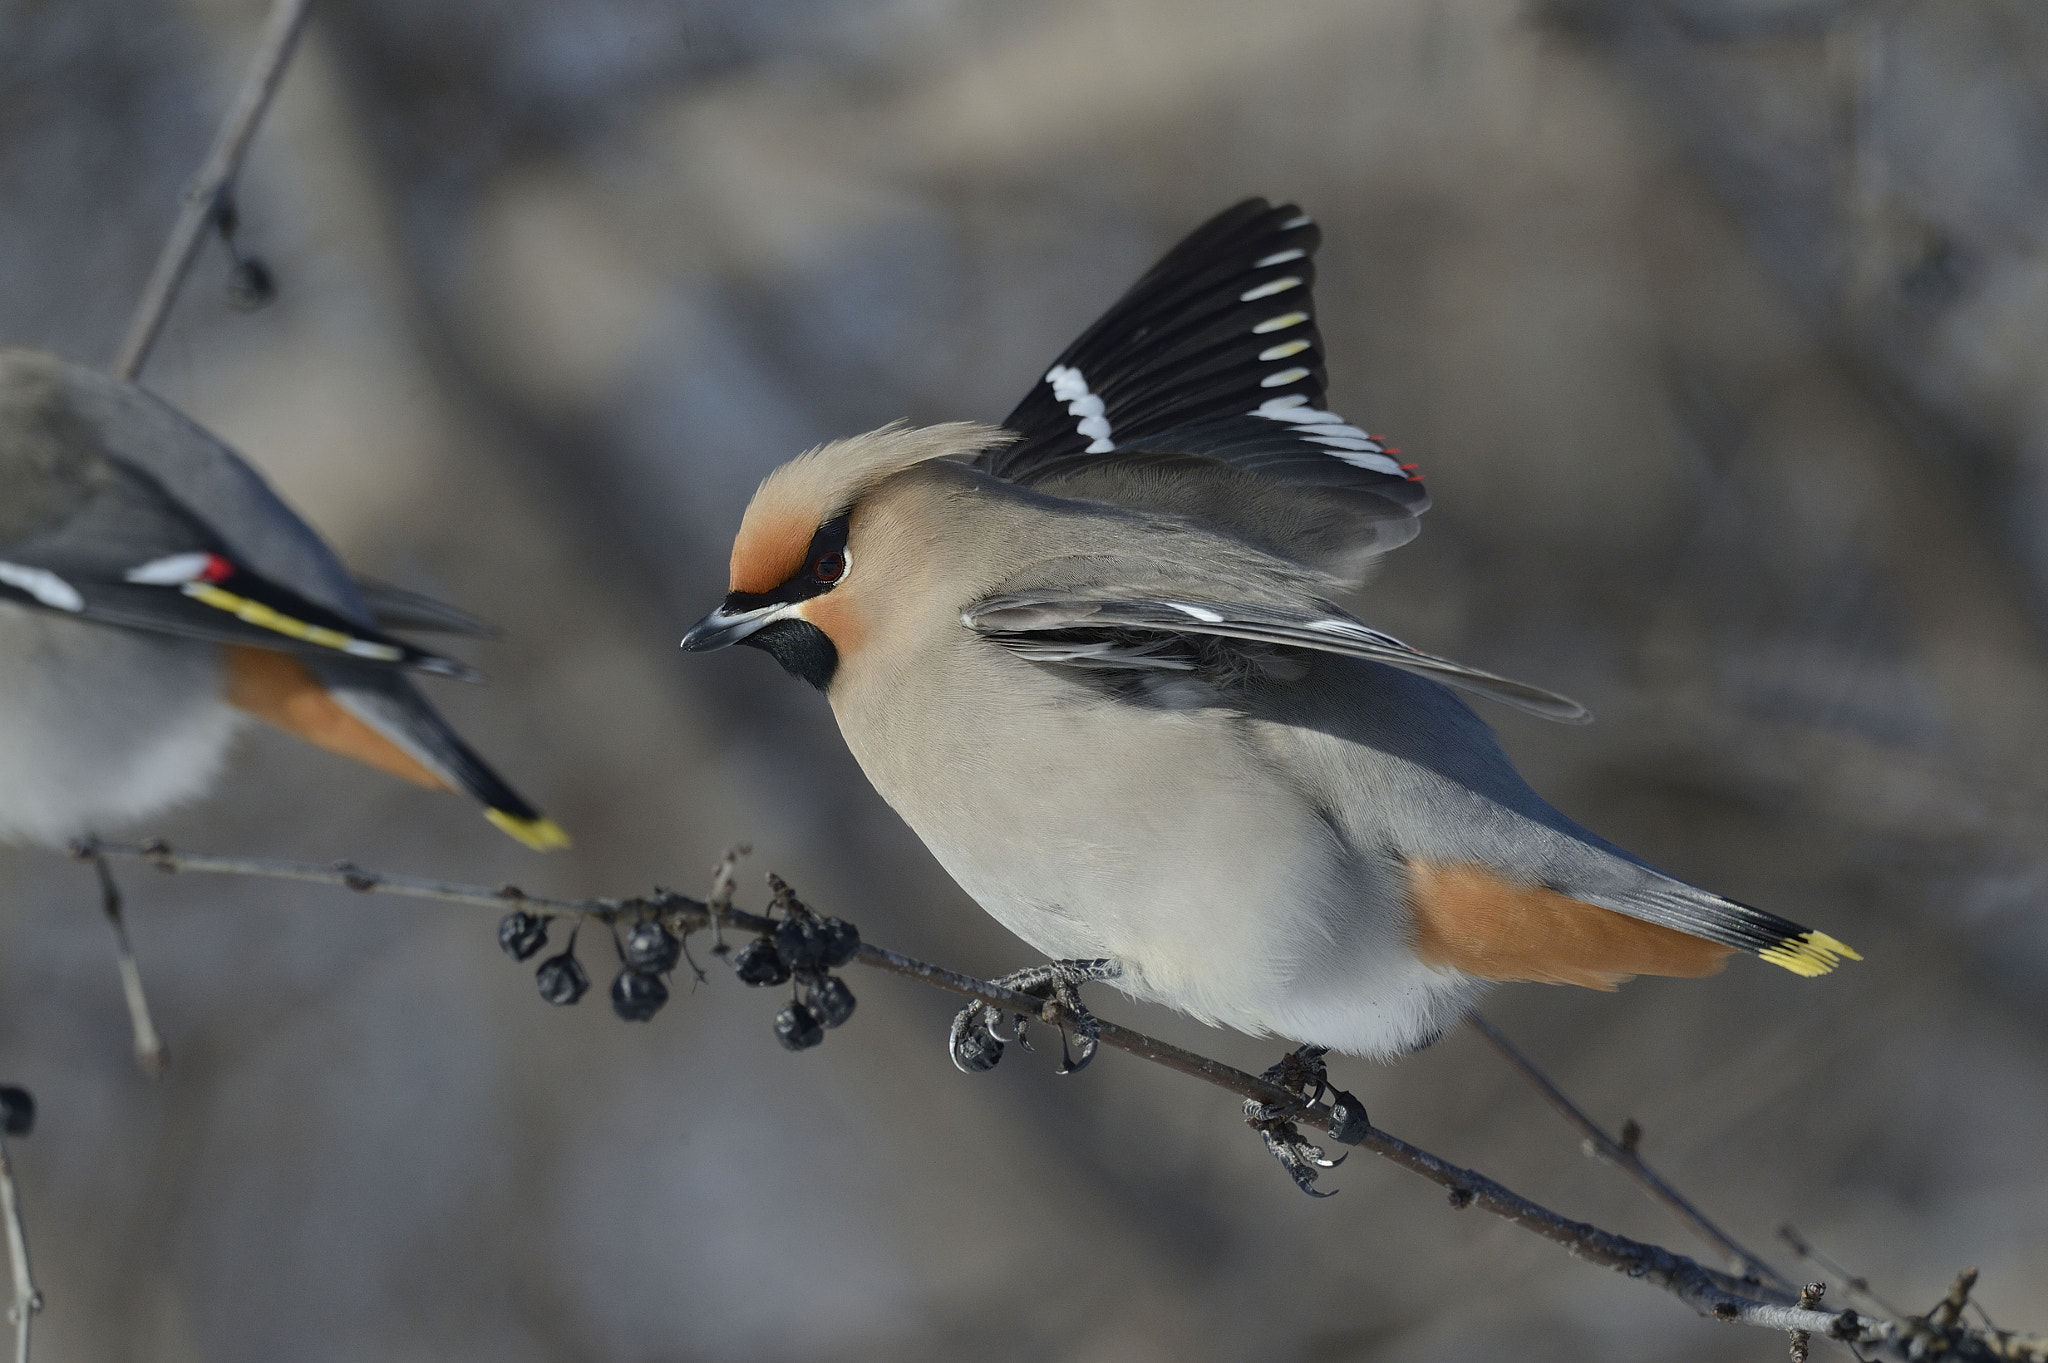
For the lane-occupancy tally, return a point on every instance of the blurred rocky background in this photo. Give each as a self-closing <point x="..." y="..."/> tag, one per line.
<point x="1717" y="324"/>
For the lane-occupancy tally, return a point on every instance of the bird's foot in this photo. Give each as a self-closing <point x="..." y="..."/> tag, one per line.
<point x="980" y="1030"/>
<point x="1302" y="1074"/>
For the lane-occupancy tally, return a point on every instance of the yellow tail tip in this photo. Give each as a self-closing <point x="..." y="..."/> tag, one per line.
<point x="541" y="834"/>
<point x="1810" y="954"/>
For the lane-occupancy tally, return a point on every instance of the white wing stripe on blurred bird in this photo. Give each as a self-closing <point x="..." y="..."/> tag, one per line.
<point x="44" y="585"/>
<point x="169" y="571"/>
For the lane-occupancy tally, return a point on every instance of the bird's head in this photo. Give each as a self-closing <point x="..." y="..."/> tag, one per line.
<point x="795" y="587"/>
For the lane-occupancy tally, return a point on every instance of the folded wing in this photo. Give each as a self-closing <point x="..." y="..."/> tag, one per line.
<point x="120" y="550"/>
<point x="1102" y="631"/>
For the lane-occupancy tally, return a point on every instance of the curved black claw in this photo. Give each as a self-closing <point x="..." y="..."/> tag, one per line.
<point x="972" y="1040"/>
<point x="1303" y="1075"/>
<point x="978" y="1034"/>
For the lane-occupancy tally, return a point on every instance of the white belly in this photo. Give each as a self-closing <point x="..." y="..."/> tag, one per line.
<point x="100" y="726"/>
<point x="1172" y="844"/>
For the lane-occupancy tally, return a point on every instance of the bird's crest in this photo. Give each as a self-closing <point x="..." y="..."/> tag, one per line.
<point x="824" y="483"/>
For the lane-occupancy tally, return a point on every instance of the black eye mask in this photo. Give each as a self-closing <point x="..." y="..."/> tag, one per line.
<point x="801" y="647"/>
<point x="828" y="545"/>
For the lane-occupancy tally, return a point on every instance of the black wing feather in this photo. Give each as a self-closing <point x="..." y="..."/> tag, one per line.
<point x="1218" y="332"/>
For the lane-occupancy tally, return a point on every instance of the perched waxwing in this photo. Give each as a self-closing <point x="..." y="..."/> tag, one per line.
<point x="1091" y="657"/>
<point x="155" y="594"/>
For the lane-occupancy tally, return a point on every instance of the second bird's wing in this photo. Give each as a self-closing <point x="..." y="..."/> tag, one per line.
<point x="1137" y="634"/>
<point x="120" y="550"/>
<point x="398" y="608"/>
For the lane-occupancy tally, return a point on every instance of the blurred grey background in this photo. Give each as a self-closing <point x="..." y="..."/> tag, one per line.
<point x="1717" y="326"/>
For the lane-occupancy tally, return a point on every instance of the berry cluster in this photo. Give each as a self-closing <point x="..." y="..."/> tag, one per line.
<point x="647" y="949"/>
<point x="801" y="951"/>
<point x="798" y="948"/>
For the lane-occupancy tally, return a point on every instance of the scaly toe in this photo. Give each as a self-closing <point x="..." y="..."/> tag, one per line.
<point x="1306" y="1080"/>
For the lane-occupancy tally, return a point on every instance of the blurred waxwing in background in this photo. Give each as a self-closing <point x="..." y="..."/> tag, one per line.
<point x="1093" y="660"/>
<point x="154" y="593"/>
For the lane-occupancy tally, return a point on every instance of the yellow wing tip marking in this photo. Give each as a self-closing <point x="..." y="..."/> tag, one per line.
<point x="541" y="834"/>
<point x="1810" y="954"/>
<point x="264" y="617"/>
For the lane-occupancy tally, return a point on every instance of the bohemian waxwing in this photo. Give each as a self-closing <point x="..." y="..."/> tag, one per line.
<point x="1090" y="657"/>
<point x="154" y="593"/>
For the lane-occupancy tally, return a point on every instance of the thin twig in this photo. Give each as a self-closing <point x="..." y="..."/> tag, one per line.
<point x="1622" y="1154"/>
<point x="1709" y="1291"/>
<point x="1855" y="1282"/>
<point x="215" y="179"/>
<point x="150" y="1052"/>
<point x="21" y="1310"/>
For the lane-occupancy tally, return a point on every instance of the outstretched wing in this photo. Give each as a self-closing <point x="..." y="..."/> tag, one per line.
<point x="1214" y="353"/>
<point x="1104" y="632"/>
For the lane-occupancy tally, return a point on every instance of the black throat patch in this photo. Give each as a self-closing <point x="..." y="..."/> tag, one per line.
<point x="801" y="647"/>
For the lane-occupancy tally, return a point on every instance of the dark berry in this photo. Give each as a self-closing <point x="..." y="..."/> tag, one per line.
<point x="522" y="934"/>
<point x="830" y="999"/>
<point x="798" y="1028"/>
<point x="250" y="285"/>
<point x="801" y="942"/>
<point x="17" y="1110"/>
<point x="840" y="940"/>
<point x="758" y="963"/>
<point x="636" y="997"/>
<point x="562" y="979"/>
<point x="651" y="948"/>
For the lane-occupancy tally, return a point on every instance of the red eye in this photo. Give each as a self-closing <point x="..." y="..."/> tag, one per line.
<point x="830" y="568"/>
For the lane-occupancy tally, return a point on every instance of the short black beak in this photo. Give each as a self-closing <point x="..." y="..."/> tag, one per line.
<point x="726" y="626"/>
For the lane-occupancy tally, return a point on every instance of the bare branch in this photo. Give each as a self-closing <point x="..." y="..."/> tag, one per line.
<point x="216" y="177"/>
<point x="1708" y="1291"/>
<point x="151" y="1055"/>
<point x="1622" y="1154"/>
<point x="26" y="1300"/>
